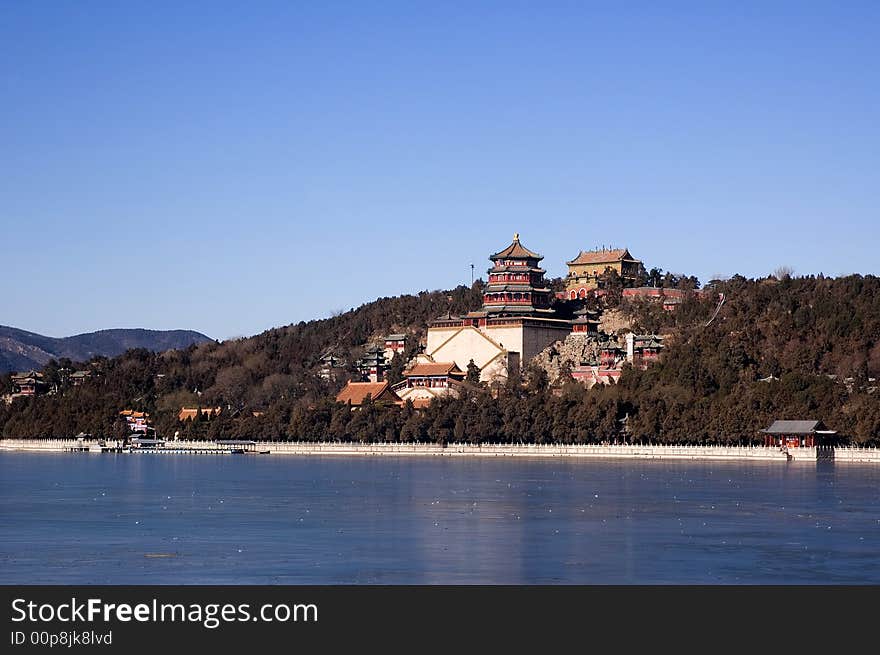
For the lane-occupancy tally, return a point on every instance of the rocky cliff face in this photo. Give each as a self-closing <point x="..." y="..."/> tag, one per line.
<point x="614" y="321"/>
<point x="579" y="349"/>
<point x="574" y="350"/>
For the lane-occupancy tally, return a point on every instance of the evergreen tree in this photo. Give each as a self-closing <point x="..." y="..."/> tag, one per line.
<point x="394" y="374"/>
<point x="473" y="373"/>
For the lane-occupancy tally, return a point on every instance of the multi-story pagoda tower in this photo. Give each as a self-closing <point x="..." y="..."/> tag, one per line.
<point x="516" y="284"/>
<point x="372" y="365"/>
<point x="514" y="324"/>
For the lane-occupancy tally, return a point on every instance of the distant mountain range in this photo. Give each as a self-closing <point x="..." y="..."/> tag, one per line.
<point x="22" y="351"/>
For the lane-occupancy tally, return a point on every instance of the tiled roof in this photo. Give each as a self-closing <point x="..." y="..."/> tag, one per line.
<point x="491" y="308"/>
<point x="516" y="251"/>
<point x="647" y="344"/>
<point x="601" y="256"/>
<point x="516" y="269"/>
<point x="190" y="412"/>
<point x="356" y="392"/>
<point x="668" y="295"/>
<point x="133" y="414"/>
<point x="795" y="427"/>
<point x="505" y="286"/>
<point x="30" y="374"/>
<point x="426" y="369"/>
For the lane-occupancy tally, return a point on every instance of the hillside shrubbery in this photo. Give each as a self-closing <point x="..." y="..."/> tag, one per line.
<point x="819" y="336"/>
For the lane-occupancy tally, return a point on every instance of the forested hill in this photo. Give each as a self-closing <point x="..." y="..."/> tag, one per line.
<point x="22" y="351"/>
<point x="810" y="325"/>
<point x="267" y="371"/>
<point x="806" y="347"/>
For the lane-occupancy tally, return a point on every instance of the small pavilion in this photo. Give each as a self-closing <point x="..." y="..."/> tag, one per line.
<point x="798" y="434"/>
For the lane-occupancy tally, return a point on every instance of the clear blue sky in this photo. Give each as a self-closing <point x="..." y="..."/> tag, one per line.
<point x="229" y="167"/>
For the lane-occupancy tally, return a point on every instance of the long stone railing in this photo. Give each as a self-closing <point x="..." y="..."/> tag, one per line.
<point x="630" y="451"/>
<point x="540" y="450"/>
<point x="44" y="444"/>
<point x="458" y="449"/>
<point x="857" y="455"/>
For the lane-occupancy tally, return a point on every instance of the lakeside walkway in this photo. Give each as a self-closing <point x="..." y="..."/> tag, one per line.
<point x="591" y="451"/>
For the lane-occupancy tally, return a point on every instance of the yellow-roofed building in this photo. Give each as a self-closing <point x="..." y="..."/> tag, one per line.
<point x="585" y="270"/>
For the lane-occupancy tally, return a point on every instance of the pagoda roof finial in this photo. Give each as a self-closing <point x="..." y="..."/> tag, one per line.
<point x="516" y="251"/>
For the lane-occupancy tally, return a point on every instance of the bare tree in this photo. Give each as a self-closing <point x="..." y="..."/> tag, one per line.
<point x="783" y="272"/>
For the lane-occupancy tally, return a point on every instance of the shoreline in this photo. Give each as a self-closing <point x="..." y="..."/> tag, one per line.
<point x="577" y="451"/>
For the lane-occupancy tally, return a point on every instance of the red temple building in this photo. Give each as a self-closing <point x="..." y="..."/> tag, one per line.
<point x="79" y="378"/>
<point x="798" y="434"/>
<point x="136" y="421"/>
<point x="28" y="384"/>
<point x="611" y="355"/>
<point x="643" y="349"/>
<point x="395" y="344"/>
<point x="426" y="380"/>
<point x="356" y="394"/>
<point x="585" y="322"/>
<point x="433" y="375"/>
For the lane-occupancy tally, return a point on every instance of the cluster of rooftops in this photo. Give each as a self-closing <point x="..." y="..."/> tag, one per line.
<point x="516" y="284"/>
<point x="516" y="288"/>
<point x="32" y="383"/>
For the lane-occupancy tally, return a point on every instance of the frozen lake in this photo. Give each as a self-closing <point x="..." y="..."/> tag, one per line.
<point x="180" y="519"/>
